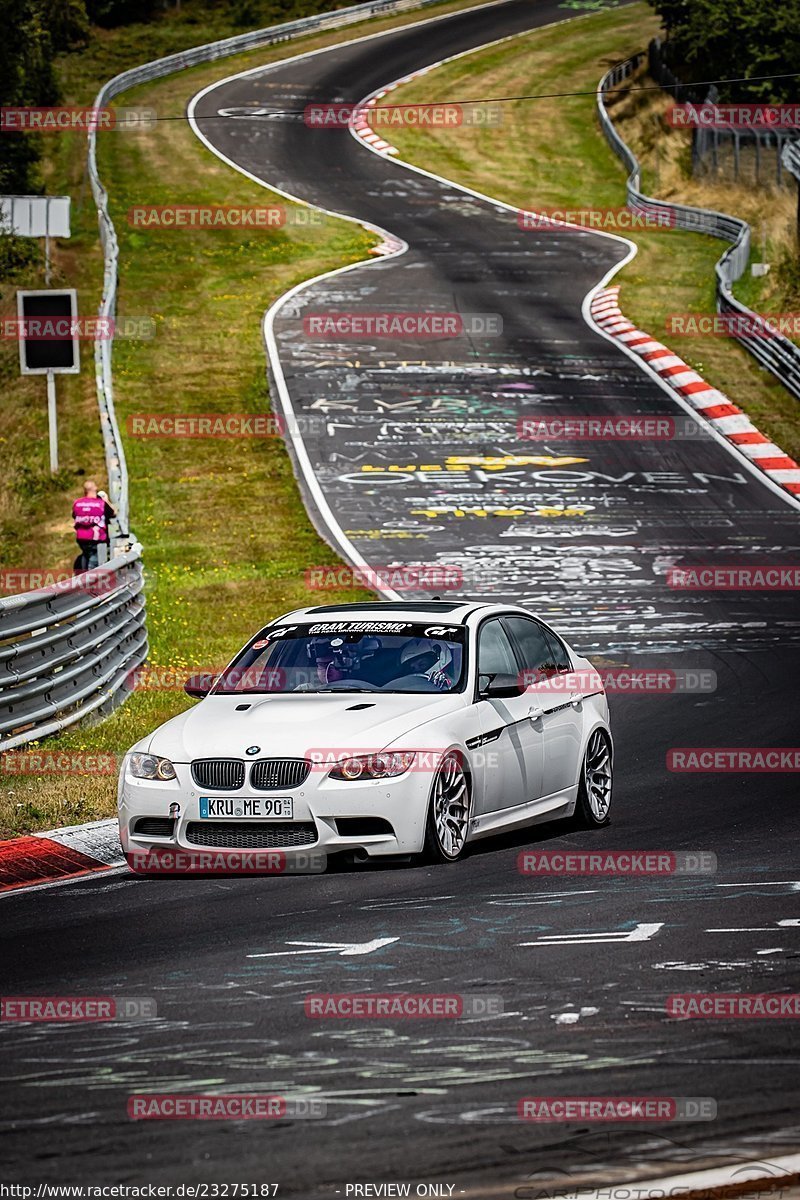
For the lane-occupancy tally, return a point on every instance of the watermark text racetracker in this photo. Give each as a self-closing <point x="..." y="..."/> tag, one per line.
<point x="59" y="762"/>
<point x="166" y="1106"/>
<point x="752" y="116"/>
<point x="175" y="861"/>
<point x="56" y="581"/>
<point x="635" y="427"/>
<point x="734" y="759"/>
<point x="624" y="220"/>
<point x="56" y="328"/>
<point x="400" y="577"/>
<point x="349" y="763"/>
<point x="749" y="325"/>
<point x="138" y="1191"/>
<point x="735" y="1005"/>
<point x="66" y="118"/>
<point x="76" y="1008"/>
<point x="220" y="1191"/>
<point x="617" y="862"/>
<point x="762" y="577"/>
<point x="220" y="216"/>
<point x="404" y="326"/>
<point x="401" y="1006"/>
<point x="397" y="116"/>
<point x="623" y="680"/>
<point x="644" y="1109"/>
<point x="217" y="425"/>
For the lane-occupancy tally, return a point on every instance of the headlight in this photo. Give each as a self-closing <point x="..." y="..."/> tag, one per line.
<point x="373" y="766"/>
<point x="150" y="766"/>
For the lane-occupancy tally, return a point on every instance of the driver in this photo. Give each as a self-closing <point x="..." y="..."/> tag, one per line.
<point x="422" y="656"/>
<point x="342" y="656"/>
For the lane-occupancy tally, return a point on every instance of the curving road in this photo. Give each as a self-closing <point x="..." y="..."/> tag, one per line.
<point x="435" y="1101"/>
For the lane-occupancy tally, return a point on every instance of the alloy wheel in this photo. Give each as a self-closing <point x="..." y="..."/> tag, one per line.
<point x="451" y="806"/>
<point x="597" y="775"/>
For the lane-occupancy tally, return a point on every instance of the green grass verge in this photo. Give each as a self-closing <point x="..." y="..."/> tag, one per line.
<point x="551" y="153"/>
<point x="226" y="537"/>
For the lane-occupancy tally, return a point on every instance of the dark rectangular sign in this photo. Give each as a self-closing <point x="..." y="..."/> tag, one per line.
<point x="48" y="339"/>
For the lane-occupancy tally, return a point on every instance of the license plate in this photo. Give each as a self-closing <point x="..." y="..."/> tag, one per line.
<point x="257" y="808"/>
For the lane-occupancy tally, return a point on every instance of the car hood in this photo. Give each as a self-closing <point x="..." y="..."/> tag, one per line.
<point x="291" y="726"/>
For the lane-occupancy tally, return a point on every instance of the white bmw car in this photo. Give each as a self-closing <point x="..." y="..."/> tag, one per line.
<point x="379" y="729"/>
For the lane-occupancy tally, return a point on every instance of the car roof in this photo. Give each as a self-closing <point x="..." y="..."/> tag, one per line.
<point x="456" y="611"/>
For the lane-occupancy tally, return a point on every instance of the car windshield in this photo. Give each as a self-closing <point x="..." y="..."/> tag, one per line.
<point x="348" y="656"/>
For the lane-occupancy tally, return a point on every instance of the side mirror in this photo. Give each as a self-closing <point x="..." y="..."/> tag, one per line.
<point x="498" y="687"/>
<point x="199" y="686"/>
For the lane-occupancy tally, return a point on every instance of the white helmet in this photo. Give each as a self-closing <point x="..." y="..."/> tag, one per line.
<point x="433" y="656"/>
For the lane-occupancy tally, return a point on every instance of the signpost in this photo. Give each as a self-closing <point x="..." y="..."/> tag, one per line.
<point x="48" y="345"/>
<point x="36" y="216"/>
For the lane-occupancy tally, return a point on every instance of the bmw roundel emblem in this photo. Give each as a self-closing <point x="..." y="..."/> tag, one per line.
<point x="252" y="750"/>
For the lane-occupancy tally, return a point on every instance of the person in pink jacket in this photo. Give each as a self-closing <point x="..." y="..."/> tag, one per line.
<point x="90" y="516"/>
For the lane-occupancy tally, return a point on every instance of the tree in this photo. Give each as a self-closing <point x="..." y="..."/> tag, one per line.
<point x="33" y="31"/>
<point x="110" y="13"/>
<point x="715" y="39"/>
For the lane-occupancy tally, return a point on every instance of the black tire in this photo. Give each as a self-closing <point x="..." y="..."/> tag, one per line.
<point x="593" y="809"/>
<point x="450" y="790"/>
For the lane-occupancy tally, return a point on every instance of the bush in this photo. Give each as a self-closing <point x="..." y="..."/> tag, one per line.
<point x="17" y="255"/>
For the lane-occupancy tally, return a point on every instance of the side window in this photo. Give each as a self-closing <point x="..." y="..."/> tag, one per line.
<point x="559" y="651"/>
<point x="495" y="656"/>
<point x="539" y="656"/>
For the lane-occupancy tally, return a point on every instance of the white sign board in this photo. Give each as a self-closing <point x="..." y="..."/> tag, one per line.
<point x="35" y="216"/>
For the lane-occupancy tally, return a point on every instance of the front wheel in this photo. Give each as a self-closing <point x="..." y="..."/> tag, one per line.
<point x="594" y="790"/>
<point x="448" y="812"/>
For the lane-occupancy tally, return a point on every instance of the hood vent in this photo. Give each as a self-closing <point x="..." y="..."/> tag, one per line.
<point x="359" y="707"/>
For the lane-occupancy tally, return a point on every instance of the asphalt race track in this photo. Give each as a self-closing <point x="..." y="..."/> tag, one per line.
<point x="435" y="1101"/>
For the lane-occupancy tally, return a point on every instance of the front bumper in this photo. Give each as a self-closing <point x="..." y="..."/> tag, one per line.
<point x="319" y="805"/>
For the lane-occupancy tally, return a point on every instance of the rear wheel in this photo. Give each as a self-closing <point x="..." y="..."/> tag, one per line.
<point x="448" y="812"/>
<point x="594" y="790"/>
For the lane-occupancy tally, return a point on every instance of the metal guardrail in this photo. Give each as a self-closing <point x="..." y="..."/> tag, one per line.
<point x="67" y="651"/>
<point x="775" y="352"/>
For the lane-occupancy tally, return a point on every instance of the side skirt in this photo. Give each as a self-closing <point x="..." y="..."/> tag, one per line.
<point x="545" y="808"/>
